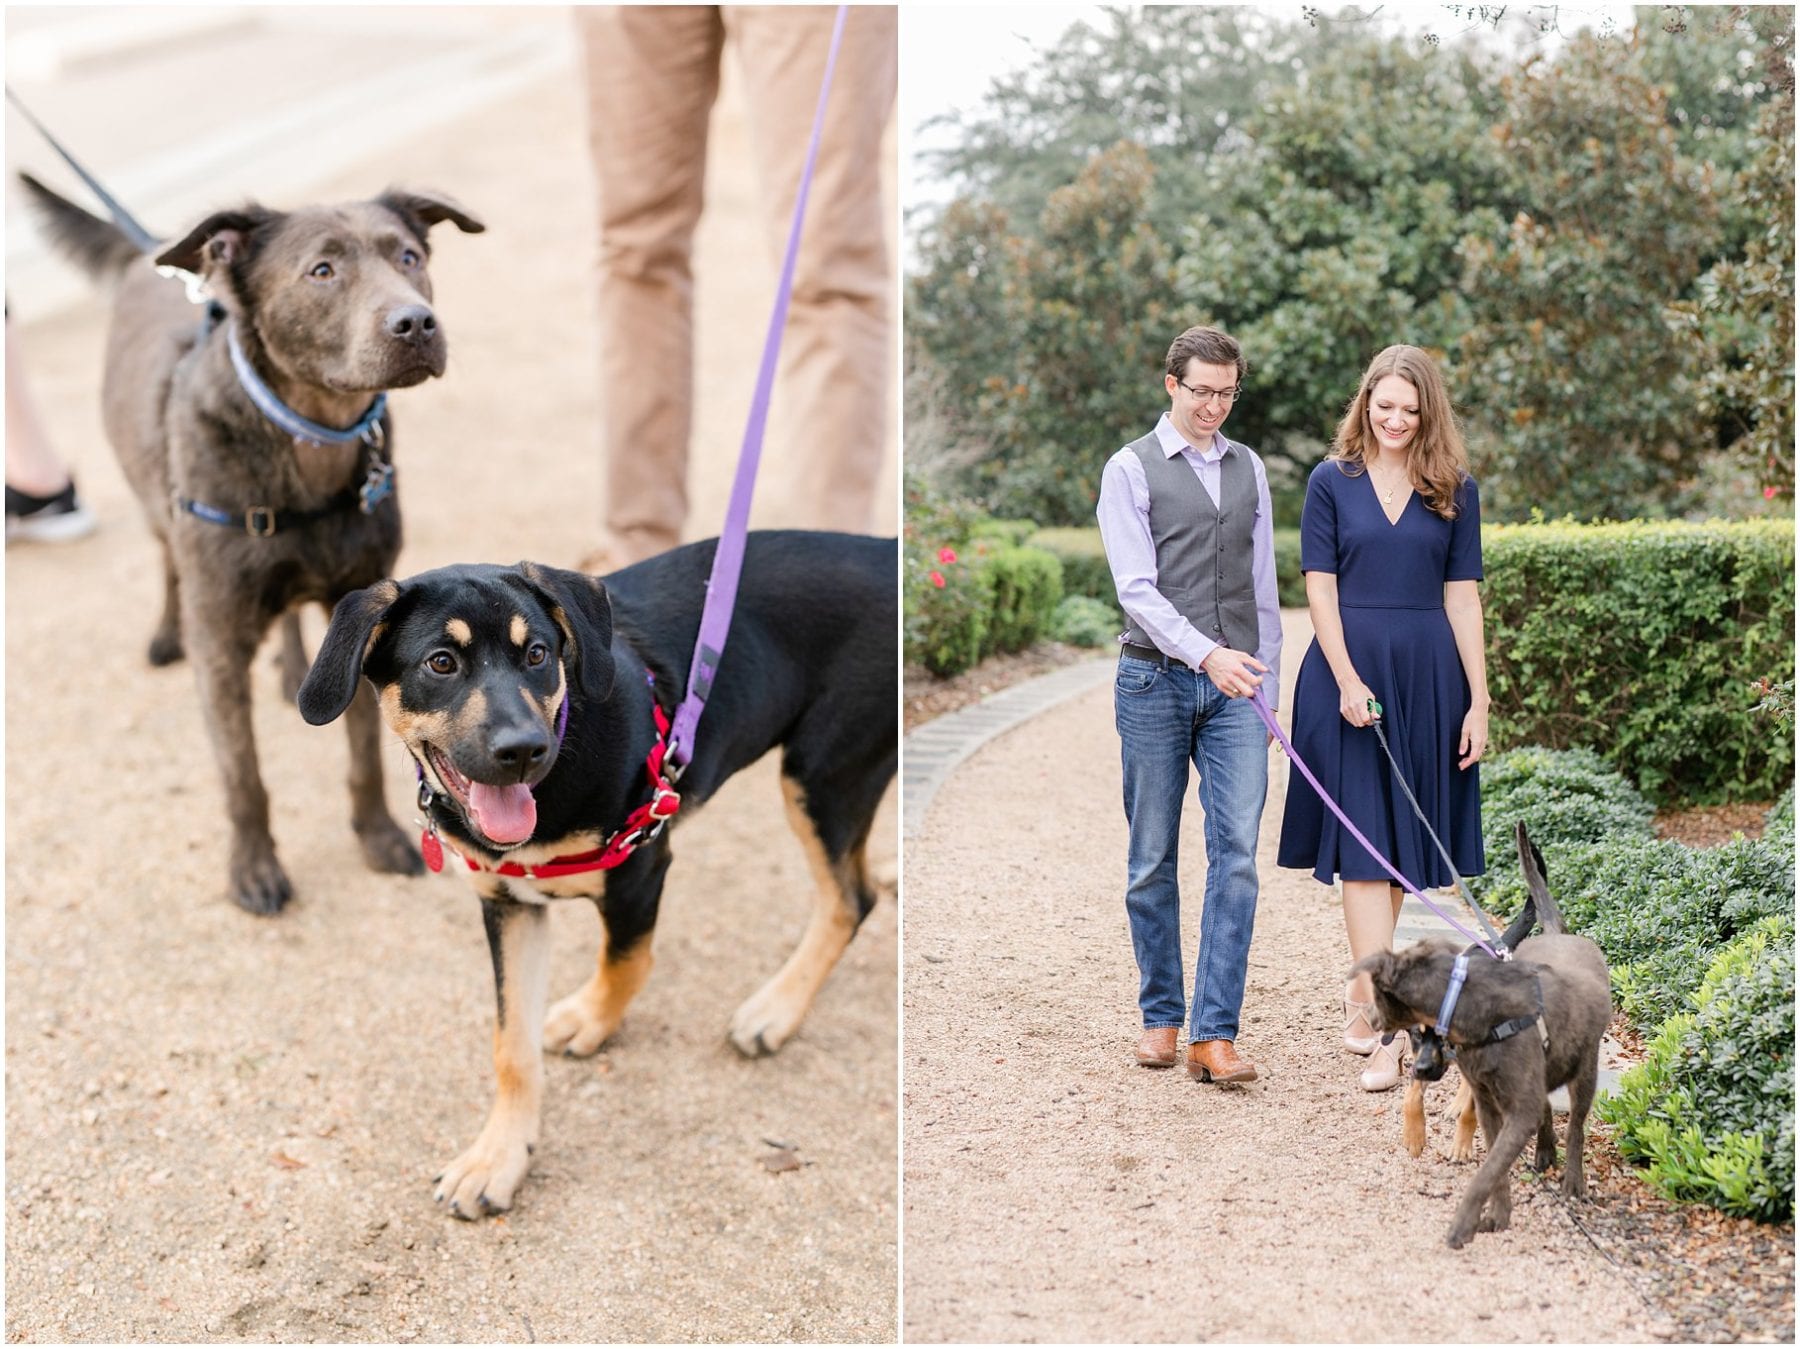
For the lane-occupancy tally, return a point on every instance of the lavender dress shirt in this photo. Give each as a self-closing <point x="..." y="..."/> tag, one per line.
<point x="1124" y="513"/>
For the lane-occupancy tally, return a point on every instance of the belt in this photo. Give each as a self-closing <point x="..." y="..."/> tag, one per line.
<point x="1149" y="653"/>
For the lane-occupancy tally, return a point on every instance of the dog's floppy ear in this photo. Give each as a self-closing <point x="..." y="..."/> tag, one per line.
<point x="426" y="209"/>
<point x="355" y="624"/>
<point x="216" y="242"/>
<point x="579" y="606"/>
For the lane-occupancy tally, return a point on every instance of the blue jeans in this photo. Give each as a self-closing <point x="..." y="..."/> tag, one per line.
<point x="1169" y="716"/>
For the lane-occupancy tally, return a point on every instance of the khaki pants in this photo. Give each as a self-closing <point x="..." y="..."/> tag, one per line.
<point x="652" y="75"/>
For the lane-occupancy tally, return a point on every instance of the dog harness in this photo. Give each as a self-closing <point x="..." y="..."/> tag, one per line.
<point x="1459" y="974"/>
<point x="642" y="825"/>
<point x="262" y="521"/>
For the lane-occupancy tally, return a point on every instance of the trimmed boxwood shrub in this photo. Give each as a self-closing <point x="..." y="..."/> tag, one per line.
<point x="1659" y="909"/>
<point x="1004" y="533"/>
<point x="1290" y="584"/>
<point x="1027" y="588"/>
<point x="1083" y="561"/>
<point x="1565" y="797"/>
<point x="1081" y="620"/>
<point x="1644" y="641"/>
<point x="1711" y="1110"/>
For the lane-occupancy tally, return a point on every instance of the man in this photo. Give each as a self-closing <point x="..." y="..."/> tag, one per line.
<point x="652" y="74"/>
<point x="1185" y="517"/>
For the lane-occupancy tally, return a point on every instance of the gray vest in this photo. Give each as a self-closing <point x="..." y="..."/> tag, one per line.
<point x="1203" y="550"/>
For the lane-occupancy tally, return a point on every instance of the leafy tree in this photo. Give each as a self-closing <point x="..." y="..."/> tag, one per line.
<point x="1582" y="403"/>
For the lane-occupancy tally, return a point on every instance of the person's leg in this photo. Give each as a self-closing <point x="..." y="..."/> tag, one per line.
<point x="1154" y="713"/>
<point x="40" y="492"/>
<point x="1370" y="913"/>
<point x="652" y="74"/>
<point x="1232" y="754"/>
<point x="836" y="370"/>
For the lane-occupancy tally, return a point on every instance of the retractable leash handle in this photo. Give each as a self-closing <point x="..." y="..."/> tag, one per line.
<point x="728" y="560"/>
<point x="1261" y="705"/>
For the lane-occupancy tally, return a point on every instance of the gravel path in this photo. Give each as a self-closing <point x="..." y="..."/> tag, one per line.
<point x="225" y="1128"/>
<point x="1055" y="1191"/>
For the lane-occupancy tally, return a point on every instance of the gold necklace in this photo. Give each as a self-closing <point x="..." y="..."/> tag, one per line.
<point x="1387" y="497"/>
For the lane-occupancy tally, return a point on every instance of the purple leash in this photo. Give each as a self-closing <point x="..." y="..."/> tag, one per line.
<point x="1262" y="710"/>
<point x="728" y="560"/>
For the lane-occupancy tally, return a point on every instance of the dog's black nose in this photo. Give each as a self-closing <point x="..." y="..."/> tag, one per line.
<point x="519" y="749"/>
<point x="413" y="324"/>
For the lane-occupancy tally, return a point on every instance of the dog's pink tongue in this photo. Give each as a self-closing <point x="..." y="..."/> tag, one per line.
<point x="504" y="814"/>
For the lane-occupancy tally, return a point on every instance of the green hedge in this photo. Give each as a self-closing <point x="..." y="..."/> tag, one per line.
<point x="1083" y="561"/>
<point x="1711" y="1110"/>
<point x="1082" y="620"/>
<point x="1660" y="910"/>
<point x="1565" y="797"/>
<point x="1290" y="585"/>
<point x="1028" y="585"/>
<point x="1644" y="641"/>
<point x="1003" y="533"/>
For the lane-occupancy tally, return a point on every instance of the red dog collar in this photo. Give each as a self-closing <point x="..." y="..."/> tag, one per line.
<point x="642" y="825"/>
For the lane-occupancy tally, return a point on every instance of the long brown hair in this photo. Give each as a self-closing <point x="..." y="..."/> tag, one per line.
<point x="1437" y="459"/>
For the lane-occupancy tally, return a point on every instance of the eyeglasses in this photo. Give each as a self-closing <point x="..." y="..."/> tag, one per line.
<point x="1225" y="396"/>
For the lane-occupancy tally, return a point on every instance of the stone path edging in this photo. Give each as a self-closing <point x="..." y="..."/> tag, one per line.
<point x="931" y="753"/>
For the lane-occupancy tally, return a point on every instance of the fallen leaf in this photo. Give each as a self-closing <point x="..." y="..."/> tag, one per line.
<point x="285" y="1162"/>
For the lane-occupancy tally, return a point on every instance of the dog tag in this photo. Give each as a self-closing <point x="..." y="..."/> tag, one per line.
<point x="432" y="849"/>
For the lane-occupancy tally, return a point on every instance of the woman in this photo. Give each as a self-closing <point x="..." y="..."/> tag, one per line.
<point x="1391" y="548"/>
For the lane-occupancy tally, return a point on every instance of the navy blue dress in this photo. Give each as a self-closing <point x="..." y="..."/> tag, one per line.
<point x="1391" y="599"/>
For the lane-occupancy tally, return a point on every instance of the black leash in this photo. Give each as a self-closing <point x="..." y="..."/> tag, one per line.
<point x="145" y="241"/>
<point x="1443" y="852"/>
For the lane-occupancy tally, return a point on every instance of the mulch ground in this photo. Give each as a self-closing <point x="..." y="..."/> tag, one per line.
<point x="928" y="697"/>
<point x="1719" y="1279"/>
<point x="1709" y="826"/>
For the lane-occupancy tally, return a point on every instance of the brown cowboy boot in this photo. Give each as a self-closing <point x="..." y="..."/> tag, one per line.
<point x="1218" y="1061"/>
<point x="1156" y="1047"/>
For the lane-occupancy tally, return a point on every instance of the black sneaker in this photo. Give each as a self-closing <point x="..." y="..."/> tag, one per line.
<point x="51" y="519"/>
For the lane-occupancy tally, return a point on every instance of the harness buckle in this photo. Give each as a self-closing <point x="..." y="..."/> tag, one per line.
<point x="259" y="521"/>
<point x="664" y="805"/>
<point x="374" y="437"/>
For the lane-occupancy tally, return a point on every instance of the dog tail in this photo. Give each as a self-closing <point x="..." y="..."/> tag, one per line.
<point x="1531" y="861"/>
<point x="1521" y="926"/>
<point x="99" y="247"/>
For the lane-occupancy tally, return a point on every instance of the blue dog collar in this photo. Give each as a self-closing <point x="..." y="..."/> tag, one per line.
<point x="1459" y="974"/>
<point x="367" y="427"/>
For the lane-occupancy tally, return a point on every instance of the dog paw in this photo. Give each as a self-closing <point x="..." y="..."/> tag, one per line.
<point x="385" y="848"/>
<point x="574" y="1028"/>
<point x="259" y="885"/>
<point x="764" y="1023"/>
<point x="1574" y="1184"/>
<point x="1463" y="1149"/>
<point x="1458" y="1238"/>
<point x="1492" y="1221"/>
<point x="483" y="1179"/>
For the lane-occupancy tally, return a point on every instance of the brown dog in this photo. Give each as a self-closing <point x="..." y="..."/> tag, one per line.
<point x="1520" y="1029"/>
<point x="328" y="307"/>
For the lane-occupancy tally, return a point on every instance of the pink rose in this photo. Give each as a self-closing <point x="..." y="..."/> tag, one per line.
<point x="937" y="579"/>
<point x="946" y="555"/>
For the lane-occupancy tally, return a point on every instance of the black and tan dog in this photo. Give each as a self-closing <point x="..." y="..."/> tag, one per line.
<point x="1520" y="1029"/>
<point x="1431" y="1057"/>
<point x="532" y="700"/>
<point x="328" y="307"/>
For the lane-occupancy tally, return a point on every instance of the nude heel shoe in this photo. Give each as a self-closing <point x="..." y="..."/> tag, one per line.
<point x="1387" y="1064"/>
<point x="1355" y="1011"/>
